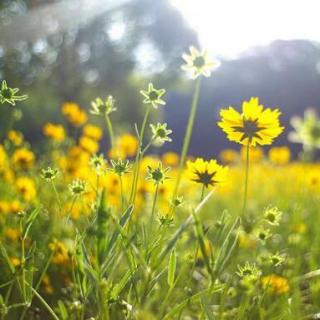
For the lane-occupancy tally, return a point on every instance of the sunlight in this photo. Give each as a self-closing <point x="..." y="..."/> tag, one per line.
<point x="228" y="28"/>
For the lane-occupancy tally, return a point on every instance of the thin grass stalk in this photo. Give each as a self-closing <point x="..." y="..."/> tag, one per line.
<point x="110" y="131"/>
<point x="245" y="194"/>
<point x="188" y="134"/>
<point x="153" y="208"/>
<point x="138" y="158"/>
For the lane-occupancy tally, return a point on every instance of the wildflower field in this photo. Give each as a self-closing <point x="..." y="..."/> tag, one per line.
<point x="90" y="230"/>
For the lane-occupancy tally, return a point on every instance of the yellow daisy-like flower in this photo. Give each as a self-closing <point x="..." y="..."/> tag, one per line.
<point x="255" y="125"/>
<point x="207" y="173"/>
<point x="88" y="144"/>
<point x="275" y="284"/>
<point x="3" y="157"/>
<point x="74" y="114"/>
<point x="170" y="159"/>
<point x="198" y="63"/>
<point x="229" y="156"/>
<point x="26" y="187"/>
<point x="15" y="137"/>
<point x="255" y="155"/>
<point x="23" y="158"/>
<point x="126" y="146"/>
<point x="54" y="131"/>
<point x="280" y="155"/>
<point x="92" y="132"/>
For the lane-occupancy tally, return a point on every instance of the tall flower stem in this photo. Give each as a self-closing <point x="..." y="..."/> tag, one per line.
<point x="153" y="208"/>
<point x="245" y="194"/>
<point x="138" y="158"/>
<point x="203" y="190"/>
<point x="121" y="191"/>
<point x="188" y="134"/>
<point x="110" y="130"/>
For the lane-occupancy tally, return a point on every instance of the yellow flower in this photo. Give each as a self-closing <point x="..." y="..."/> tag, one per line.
<point x="88" y="144"/>
<point x="15" y="206"/>
<point x="207" y="251"/>
<point x="255" y="125"/>
<point x="12" y="233"/>
<point x="23" y="158"/>
<point x="54" y="131"/>
<point x="3" y="158"/>
<point x="228" y="156"/>
<point x="92" y="132"/>
<point x="255" y="154"/>
<point x="279" y="155"/>
<point x="126" y="146"/>
<point x="26" y="187"/>
<point x="15" y="261"/>
<point x="75" y="209"/>
<point x="207" y="173"/>
<point x="48" y="288"/>
<point x="275" y="284"/>
<point x="15" y="137"/>
<point x="60" y="256"/>
<point x="4" y="206"/>
<point x="300" y="227"/>
<point x="74" y="114"/>
<point x="170" y="159"/>
<point x="246" y="241"/>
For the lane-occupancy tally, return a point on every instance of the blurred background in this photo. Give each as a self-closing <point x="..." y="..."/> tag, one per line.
<point x="76" y="50"/>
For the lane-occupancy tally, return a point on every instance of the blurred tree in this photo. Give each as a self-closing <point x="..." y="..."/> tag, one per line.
<point x="76" y="50"/>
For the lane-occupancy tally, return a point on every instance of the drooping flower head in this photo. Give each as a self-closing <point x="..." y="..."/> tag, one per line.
<point x="198" y="63"/>
<point x="254" y="126"/>
<point x="207" y="173"/>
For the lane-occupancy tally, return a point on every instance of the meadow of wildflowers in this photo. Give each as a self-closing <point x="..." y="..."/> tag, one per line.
<point x="87" y="233"/>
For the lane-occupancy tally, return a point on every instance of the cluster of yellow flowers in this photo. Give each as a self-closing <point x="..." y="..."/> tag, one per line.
<point x="85" y="175"/>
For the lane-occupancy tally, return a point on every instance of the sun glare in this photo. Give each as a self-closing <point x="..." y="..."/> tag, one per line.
<point x="229" y="27"/>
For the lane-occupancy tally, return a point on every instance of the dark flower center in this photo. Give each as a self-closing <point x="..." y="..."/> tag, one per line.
<point x="6" y="93"/>
<point x="247" y="272"/>
<point x="161" y="133"/>
<point x="199" y="62"/>
<point x="153" y="95"/>
<point x="205" y="178"/>
<point x="250" y="129"/>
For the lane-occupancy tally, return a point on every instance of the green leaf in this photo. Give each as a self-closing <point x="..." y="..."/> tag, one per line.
<point x="122" y="283"/>
<point x="63" y="310"/>
<point x="122" y="223"/>
<point x="6" y="257"/>
<point x="178" y="308"/>
<point x="30" y="220"/>
<point x="172" y="268"/>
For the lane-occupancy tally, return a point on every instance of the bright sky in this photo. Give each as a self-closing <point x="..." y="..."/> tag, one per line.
<point x="228" y="27"/>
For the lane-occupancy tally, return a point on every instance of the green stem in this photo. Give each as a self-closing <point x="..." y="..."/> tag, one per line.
<point x="57" y="195"/>
<point x="188" y="134"/>
<point x="203" y="189"/>
<point x="153" y="208"/>
<point x="138" y="158"/>
<point x="23" y="262"/>
<point x="54" y="316"/>
<point x="121" y="191"/>
<point x="39" y="282"/>
<point x="245" y="195"/>
<point x="110" y="130"/>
